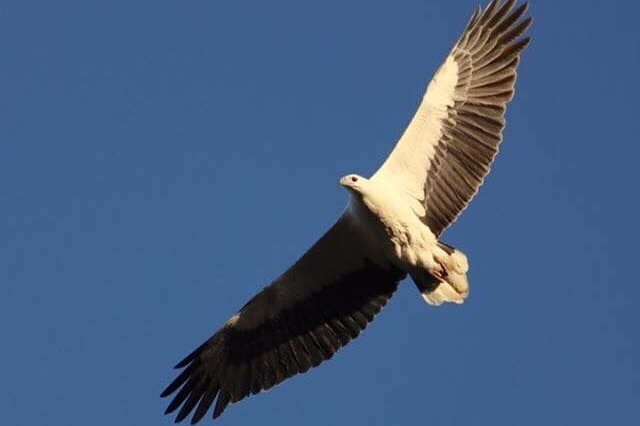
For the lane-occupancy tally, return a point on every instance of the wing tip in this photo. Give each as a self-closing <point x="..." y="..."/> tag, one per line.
<point x="221" y="404"/>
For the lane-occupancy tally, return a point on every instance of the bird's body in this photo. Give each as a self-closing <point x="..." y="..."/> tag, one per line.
<point x="391" y="224"/>
<point x="390" y="229"/>
<point x="388" y="222"/>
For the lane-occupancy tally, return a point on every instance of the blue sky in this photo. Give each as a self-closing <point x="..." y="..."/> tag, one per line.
<point x="161" y="161"/>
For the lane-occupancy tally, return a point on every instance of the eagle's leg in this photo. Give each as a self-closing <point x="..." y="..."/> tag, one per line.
<point x="442" y="276"/>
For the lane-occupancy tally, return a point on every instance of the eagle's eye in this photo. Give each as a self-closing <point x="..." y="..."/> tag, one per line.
<point x="354" y="179"/>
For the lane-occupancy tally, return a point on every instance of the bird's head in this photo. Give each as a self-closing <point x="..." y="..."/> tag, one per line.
<point x="354" y="183"/>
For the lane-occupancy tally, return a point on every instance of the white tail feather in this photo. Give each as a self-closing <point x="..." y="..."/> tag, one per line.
<point x="450" y="285"/>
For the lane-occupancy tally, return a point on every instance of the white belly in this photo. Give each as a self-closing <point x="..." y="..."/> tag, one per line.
<point x="394" y="234"/>
<point x="392" y="226"/>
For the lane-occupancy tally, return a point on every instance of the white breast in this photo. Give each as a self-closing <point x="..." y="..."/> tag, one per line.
<point x="390" y="224"/>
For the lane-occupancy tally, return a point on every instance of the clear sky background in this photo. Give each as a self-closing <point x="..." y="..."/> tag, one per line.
<point x="161" y="161"/>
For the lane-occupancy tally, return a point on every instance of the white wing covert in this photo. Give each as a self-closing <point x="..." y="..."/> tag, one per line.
<point x="447" y="150"/>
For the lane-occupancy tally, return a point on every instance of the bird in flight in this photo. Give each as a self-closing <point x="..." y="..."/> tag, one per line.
<point x="390" y="229"/>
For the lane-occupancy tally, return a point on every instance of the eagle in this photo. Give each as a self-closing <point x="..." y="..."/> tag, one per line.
<point x="389" y="229"/>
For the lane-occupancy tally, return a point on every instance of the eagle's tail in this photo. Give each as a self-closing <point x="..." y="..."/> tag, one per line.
<point x="449" y="284"/>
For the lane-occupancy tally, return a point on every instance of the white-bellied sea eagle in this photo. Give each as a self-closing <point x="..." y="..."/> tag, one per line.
<point x="389" y="230"/>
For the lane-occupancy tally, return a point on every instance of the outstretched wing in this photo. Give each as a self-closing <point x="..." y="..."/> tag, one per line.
<point x="447" y="150"/>
<point x="326" y="299"/>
